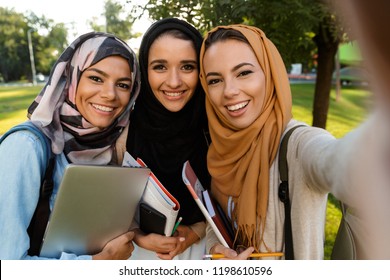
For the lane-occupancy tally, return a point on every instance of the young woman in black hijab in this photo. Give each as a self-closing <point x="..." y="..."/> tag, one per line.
<point x="168" y="127"/>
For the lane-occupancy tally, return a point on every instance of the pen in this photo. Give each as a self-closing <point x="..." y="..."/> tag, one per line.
<point x="176" y="225"/>
<point x="253" y="255"/>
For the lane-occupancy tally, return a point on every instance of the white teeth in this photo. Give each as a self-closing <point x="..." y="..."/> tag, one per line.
<point x="103" y="108"/>
<point x="237" y="106"/>
<point x="173" y="94"/>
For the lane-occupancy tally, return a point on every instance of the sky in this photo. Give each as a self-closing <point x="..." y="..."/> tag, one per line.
<point x="78" y="11"/>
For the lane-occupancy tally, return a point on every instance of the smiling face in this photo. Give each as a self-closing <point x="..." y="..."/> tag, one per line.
<point x="103" y="91"/>
<point x="235" y="81"/>
<point x="172" y="71"/>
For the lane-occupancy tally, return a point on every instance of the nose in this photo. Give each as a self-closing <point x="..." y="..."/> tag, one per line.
<point x="108" y="91"/>
<point x="174" y="79"/>
<point x="230" y="89"/>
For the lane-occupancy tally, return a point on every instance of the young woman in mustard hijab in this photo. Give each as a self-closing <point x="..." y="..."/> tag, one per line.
<point x="249" y="108"/>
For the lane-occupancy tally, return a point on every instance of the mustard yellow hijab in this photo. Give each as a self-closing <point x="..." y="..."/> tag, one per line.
<point x="239" y="159"/>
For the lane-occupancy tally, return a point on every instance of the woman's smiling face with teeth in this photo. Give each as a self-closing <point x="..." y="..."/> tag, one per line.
<point x="172" y="71"/>
<point x="103" y="91"/>
<point x="235" y="81"/>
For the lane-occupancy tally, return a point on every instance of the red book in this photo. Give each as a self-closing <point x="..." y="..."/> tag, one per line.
<point x="218" y="220"/>
<point x="196" y="189"/>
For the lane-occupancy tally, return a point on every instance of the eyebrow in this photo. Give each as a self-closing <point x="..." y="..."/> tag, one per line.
<point x="166" y="61"/>
<point x="158" y="61"/>
<point x="235" y="68"/>
<point x="98" y="71"/>
<point x="106" y="75"/>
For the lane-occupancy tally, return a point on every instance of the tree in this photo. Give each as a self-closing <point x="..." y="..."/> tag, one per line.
<point x="14" y="50"/>
<point x="282" y="20"/>
<point x="116" y="21"/>
<point x="49" y="39"/>
<point x="13" y="45"/>
<point x="327" y="39"/>
<point x="299" y="28"/>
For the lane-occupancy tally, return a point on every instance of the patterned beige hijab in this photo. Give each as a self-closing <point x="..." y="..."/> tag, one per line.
<point x="54" y="110"/>
<point x="239" y="159"/>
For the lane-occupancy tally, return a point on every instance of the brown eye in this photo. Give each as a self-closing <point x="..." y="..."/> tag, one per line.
<point x="95" y="79"/>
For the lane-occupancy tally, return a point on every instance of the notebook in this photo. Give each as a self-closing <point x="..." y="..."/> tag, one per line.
<point x="156" y="196"/>
<point x="94" y="204"/>
<point x="196" y="189"/>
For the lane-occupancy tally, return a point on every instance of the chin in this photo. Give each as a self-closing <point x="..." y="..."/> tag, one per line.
<point x="174" y="107"/>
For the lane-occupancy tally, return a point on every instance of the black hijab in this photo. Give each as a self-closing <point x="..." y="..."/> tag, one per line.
<point x="164" y="140"/>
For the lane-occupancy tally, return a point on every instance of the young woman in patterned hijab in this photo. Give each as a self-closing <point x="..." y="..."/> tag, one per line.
<point x="55" y="111"/>
<point x="82" y="109"/>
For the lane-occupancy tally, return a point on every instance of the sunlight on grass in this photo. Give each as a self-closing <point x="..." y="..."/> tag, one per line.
<point x="333" y="216"/>
<point x="343" y="117"/>
<point x="14" y="102"/>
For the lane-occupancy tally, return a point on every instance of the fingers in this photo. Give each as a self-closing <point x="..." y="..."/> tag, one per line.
<point x="245" y="254"/>
<point x="172" y="253"/>
<point x="231" y="254"/>
<point x="220" y="249"/>
<point x="129" y="235"/>
<point x="119" y="248"/>
<point x="165" y="256"/>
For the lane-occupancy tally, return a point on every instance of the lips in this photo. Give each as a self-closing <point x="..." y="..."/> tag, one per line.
<point x="173" y="93"/>
<point x="238" y="106"/>
<point x="103" y="108"/>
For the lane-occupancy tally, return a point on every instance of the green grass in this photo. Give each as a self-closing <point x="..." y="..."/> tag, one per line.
<point x="14" y="102"/>
<point x="343" y="116"/>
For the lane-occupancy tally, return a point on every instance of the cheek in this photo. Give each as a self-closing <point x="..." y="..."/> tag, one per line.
<point x="154" y="81"/>
<point x="214" y="99"/>
<point x="80" y="92"/>
<point x="124" y="99"/>
<point x="193" y="83"/>
<point x="78" y="99"/>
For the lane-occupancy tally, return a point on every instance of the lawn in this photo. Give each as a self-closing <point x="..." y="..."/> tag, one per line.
<point x="14" y="102"/>
<point x="343" y="117"/>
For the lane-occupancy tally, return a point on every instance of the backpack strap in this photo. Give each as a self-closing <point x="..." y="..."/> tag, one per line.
<point x="283" y="193"/>
<point x="39" y="221"/>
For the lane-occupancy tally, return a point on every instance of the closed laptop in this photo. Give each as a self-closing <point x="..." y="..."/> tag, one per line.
<point x="94" y="205"/>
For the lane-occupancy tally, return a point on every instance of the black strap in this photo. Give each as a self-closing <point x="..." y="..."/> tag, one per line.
<point x="284" y="194"/>
<point x="37" y="227"/>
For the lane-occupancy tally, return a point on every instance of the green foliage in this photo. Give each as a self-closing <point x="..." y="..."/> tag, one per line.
<point x="14" y="51"/>
<point x="117" y="21"/>
<point x="288" y="23"/>
<point x="13" y="45"/>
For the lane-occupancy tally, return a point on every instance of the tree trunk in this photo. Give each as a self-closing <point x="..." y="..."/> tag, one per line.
<point x="327" y="45"/>
<point x="337" y="78"/>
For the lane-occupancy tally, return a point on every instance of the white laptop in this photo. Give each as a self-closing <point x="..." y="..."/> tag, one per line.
<point x="94" y="204"/>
